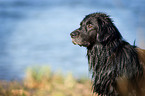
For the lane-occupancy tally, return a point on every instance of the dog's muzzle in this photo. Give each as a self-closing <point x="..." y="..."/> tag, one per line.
<point x="74" y="34"/>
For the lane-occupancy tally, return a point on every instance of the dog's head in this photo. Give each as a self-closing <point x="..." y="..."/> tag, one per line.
<point x="95" y="28"/>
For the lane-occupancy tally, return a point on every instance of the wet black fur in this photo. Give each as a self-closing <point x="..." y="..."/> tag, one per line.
<point x="109" y="55"/>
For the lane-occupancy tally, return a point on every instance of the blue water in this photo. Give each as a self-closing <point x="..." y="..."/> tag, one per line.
<point x="36" y="32"/>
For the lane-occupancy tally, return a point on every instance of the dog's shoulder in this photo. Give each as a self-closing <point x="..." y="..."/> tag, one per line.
<point x="141" y="55"/>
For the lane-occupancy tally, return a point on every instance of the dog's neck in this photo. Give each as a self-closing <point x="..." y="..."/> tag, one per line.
<point x="107" y="62"/>
<point x="98" y="50"/>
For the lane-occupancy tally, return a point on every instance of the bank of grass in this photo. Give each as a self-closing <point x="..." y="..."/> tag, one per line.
<point x="40" y="81"/>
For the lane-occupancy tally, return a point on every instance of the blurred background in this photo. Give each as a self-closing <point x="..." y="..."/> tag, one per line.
<point x="36" y="32"/>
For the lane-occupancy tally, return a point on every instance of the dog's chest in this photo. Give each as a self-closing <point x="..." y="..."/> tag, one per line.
<point x="102" y="69"/>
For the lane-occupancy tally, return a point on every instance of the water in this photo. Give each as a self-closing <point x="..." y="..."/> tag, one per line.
<point x="37" y="32"/>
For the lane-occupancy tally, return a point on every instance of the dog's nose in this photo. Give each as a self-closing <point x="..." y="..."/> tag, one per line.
<point x="74" y="34"/>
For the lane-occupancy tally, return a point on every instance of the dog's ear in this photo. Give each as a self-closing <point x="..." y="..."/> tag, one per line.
<point x="106" y="31"/>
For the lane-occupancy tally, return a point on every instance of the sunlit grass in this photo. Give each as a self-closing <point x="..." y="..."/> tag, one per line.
<point x="40" y="81"/>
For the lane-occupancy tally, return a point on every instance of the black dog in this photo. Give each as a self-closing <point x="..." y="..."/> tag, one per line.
<point x="116" y="66"/>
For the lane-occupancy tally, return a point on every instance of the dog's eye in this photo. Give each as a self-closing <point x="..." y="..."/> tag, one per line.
<point x="90" y="26"/>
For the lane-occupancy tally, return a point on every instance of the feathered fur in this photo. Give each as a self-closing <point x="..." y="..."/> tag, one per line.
<point x="108" y="64"/>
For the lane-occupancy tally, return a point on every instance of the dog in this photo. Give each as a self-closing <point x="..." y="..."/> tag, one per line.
<point x="117" y="67"/>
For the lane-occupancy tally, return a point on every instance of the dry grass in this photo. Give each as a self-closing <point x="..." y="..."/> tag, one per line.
<point x="40" y="81"/>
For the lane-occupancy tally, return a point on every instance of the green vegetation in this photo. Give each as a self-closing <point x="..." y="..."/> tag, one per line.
<point x="40" y="81"/>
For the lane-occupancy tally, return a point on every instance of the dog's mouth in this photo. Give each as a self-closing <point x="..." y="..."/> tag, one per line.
<point x="74" y="41"/>
<point x="78" y="42"/>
